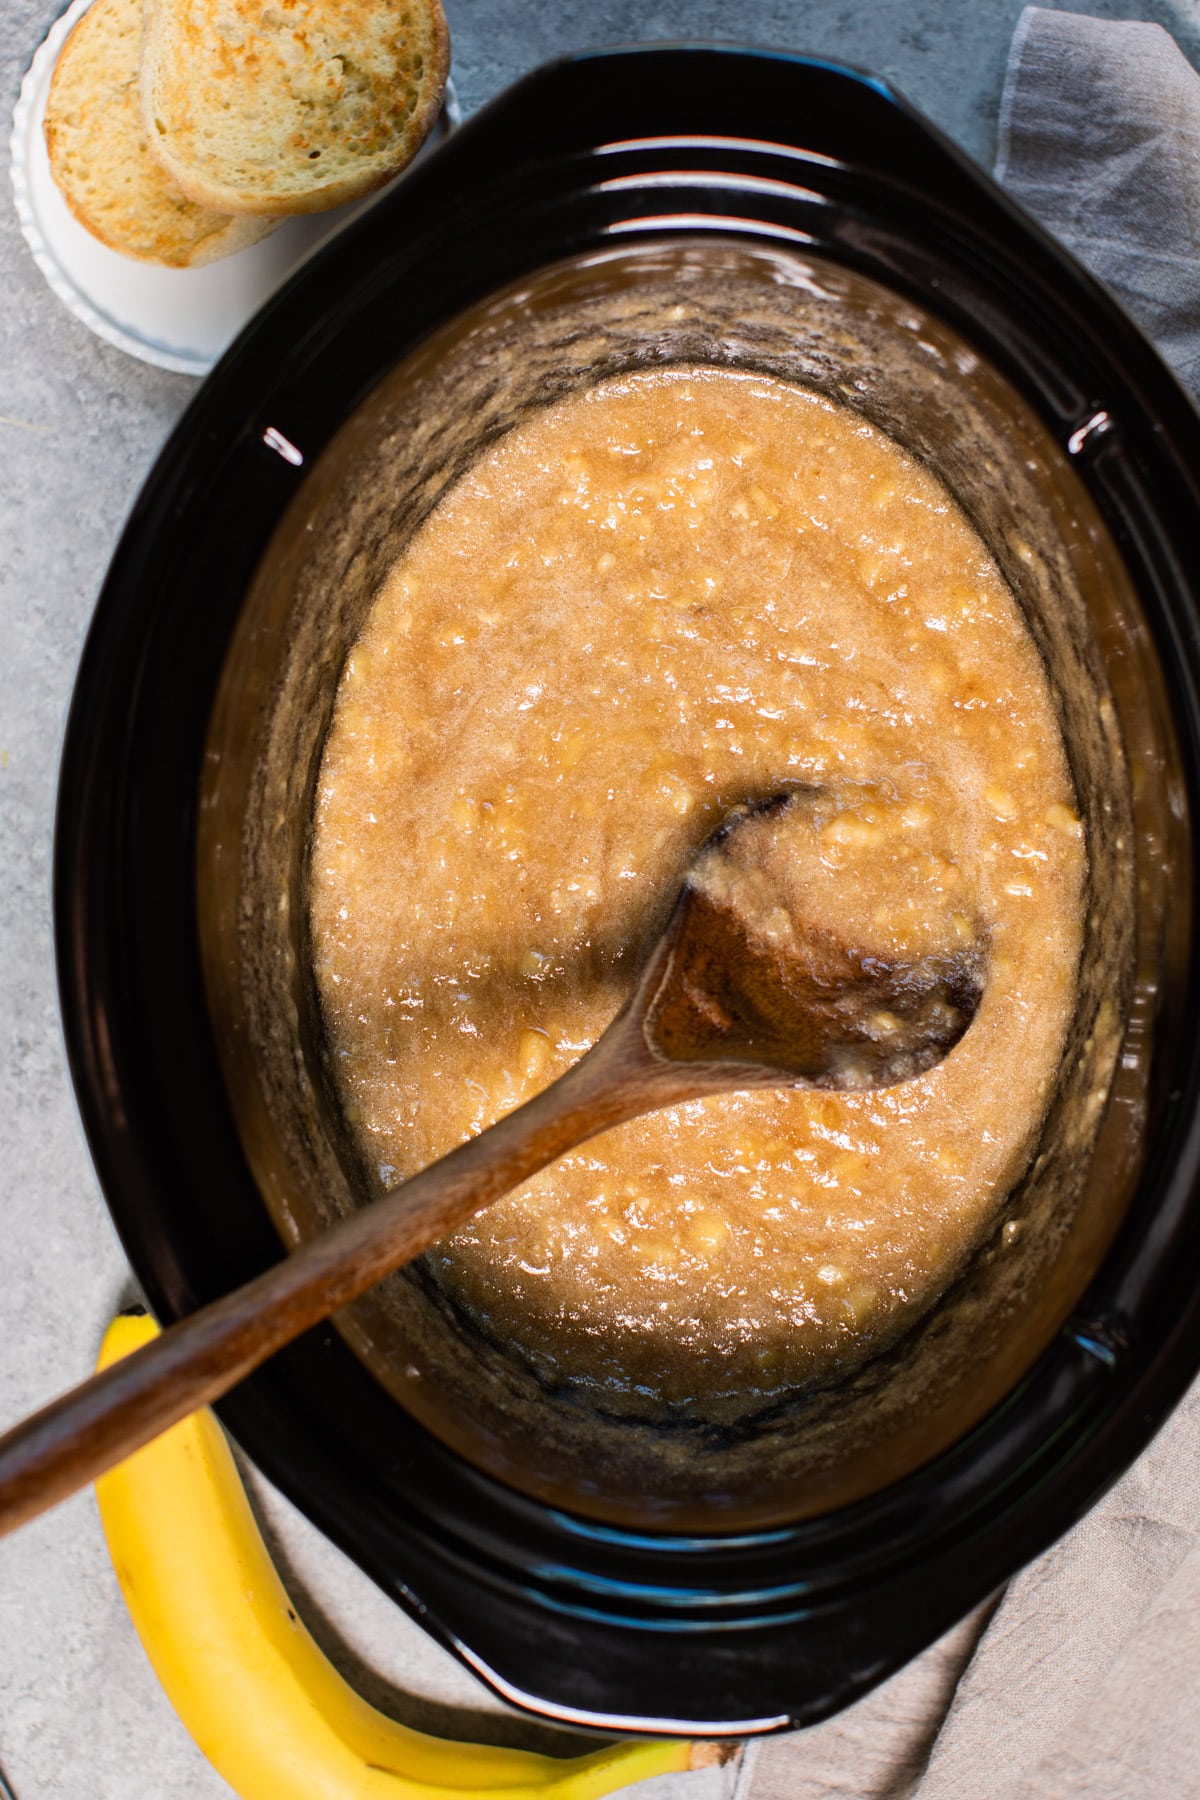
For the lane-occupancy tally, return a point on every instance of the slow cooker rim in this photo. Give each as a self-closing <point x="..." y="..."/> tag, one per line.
<point x="99" y="1085"/>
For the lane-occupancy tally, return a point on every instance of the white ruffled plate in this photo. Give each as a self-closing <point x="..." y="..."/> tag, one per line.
<point x="180" y="319"/>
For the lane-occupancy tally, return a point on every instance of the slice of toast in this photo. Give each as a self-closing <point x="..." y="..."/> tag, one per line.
<point x="100" y="160"/>
<point x="290" y="106"/>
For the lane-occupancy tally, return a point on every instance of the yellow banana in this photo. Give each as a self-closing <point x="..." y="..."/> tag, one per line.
<point x="259" y="1697"/>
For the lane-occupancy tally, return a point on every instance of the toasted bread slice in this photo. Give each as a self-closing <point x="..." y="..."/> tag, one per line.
<point x="100" y="160"/>
<point x="290" y="106"/>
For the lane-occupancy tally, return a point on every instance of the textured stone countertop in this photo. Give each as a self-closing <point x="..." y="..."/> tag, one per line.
<point x="81" y="1714"/>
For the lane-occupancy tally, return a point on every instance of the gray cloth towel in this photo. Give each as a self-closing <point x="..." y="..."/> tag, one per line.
<point x="1082" y="1681"/>
<point x="1100" y="139"/>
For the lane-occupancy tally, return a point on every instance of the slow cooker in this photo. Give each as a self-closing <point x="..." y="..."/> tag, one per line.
<point x="613" y="211"/>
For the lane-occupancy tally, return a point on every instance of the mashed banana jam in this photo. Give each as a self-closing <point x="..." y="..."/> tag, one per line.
<point x="673" y="592"/>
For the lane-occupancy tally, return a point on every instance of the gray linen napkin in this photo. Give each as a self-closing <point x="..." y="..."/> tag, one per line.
<point x="1100" y="139"/>
<point x="1082" y="1681"/>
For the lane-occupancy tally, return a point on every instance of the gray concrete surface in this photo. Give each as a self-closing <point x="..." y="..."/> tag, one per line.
<point x="81" y="1715"/>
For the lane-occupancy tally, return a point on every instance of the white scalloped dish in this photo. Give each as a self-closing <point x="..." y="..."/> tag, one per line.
<point x="179" y="319"/>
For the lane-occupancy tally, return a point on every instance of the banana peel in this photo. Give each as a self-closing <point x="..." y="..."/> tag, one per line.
<point x="257" y="1694"/>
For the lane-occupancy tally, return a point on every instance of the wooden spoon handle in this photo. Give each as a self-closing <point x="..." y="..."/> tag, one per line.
<point x="76" y="1438"/>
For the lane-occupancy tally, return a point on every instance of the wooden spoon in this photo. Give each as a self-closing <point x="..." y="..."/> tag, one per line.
<point x="721" y="1003"/>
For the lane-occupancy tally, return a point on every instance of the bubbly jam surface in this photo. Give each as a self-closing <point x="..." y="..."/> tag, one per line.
<point x="668" y="594"/>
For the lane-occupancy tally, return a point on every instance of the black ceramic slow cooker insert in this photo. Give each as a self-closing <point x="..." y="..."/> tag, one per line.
<point x="618" y="211"/>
